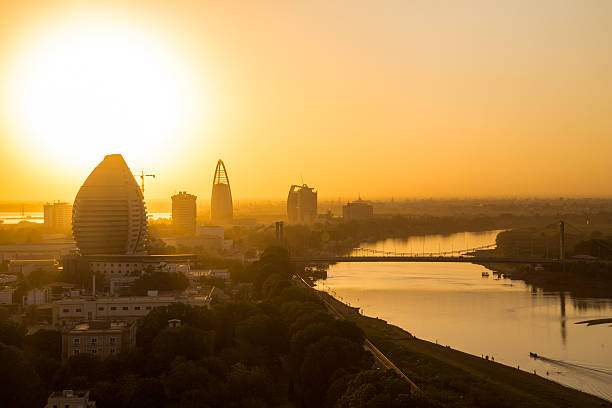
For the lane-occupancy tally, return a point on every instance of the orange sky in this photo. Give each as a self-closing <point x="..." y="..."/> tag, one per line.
<point x="393" y="98"/>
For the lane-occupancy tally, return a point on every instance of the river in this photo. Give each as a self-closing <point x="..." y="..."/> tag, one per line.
<point x="453" y="304"/>
<point x="38" y="217"/>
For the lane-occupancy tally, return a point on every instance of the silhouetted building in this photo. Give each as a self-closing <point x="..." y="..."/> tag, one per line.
<point x="357" y="210"/>
<point x="109" y="214"/>
<point x="221" y="206"/>
<point x="184" y="213"/>
<point x="301" y="204"/>
<point x="70" y="399"/>
<point x="102" y="338"/>
<point x="58" y="216"/>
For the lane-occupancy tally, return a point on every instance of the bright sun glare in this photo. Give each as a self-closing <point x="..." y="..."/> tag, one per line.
<point x="90" y="88"/>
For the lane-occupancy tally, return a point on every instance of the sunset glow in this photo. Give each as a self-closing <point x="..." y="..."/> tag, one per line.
<point x="93" y="85"/>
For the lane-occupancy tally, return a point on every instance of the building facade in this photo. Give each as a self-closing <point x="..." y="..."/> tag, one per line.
<point x="103" y="338"/>
<point x="221" y="205"/>
<point x="357" y="210"/>
<point x="67" y="312"/>
<point x="70" y="399"/>
<point x="26" y="266"/>
<point x="58" y="216"/>
<point x="184" y="213"/>
<point x="115" y="266"/>
<point x="109" y="214"/>
<point x="302" y="204"/>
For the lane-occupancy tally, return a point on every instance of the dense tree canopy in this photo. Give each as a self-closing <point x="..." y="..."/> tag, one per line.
<point x="281" y="346"/>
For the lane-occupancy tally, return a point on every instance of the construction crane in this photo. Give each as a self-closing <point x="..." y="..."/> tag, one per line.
<point x="142" y="179"/>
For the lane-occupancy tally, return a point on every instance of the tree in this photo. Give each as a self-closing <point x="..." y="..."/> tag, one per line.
<point x="186" y="341"/>
<point x="46" y="343"/>
<point x="20" y="386"/>
<point x="11" y="333"/>
<point x="148" y="393"/>
<point x="251" y="386"/>
<point x="380" y="389"/>
<point x="83" y="370"/>
<point x="157" y="320"/>
<point x="321" y="361"/>
<point x="167" y="281"/>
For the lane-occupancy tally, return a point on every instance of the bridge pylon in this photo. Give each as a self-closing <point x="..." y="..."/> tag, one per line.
<point x="562" y="244"/>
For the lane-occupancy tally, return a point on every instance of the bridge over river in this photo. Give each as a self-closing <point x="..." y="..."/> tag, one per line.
<point x="390" y="258"/>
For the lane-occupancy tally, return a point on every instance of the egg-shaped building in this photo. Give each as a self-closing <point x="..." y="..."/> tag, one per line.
<point x="109" y="214"/>
<point x="221" y="206"/>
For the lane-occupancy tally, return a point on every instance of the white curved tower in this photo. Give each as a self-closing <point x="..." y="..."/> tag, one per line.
<point x="109" y="214"/>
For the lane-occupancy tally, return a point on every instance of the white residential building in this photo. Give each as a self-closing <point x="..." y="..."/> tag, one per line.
<point x="70" y="311"/>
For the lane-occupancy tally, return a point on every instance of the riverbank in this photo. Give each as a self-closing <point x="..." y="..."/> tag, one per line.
<point x="581" y="280"/>
<point x="456" y="379"/>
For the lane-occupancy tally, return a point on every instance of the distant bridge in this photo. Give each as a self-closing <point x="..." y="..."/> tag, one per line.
<point x="462" y="255"/>
<point x="469" y="255"/>
<point x="468" y="259"/>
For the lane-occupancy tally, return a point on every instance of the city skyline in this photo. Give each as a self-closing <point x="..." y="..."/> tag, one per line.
<point x="483" y="101"/>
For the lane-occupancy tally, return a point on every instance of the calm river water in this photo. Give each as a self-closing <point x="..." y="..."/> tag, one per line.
<point x="453" y="304"/>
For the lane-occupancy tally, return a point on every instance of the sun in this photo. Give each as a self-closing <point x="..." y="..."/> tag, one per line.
<point x="94" y="87"/>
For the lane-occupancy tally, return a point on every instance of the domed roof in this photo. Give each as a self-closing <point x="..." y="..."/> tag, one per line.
<point x="109" y="214"/>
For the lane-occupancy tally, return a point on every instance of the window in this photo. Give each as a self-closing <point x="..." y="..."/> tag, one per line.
<point x="112" y="340"/>
<point x="136" y="307"/>
<point x="65" y="310"/>
<point x="75" y="352"/>
<point x="112" y="351"/>
<point x="148" y="307"/>
<point x="78" y="310"/>
<point x="94" y="339"/>
<point x="113" y="308"/>
<point x="101" y="308"/>
<point x="76" y="341"/>
<point x="125" y="308"/>
<point x="94" y="351"/>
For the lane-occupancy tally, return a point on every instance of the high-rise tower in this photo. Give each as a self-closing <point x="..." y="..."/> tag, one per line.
<point x="58" y="216"/>
<point x="302" y="204"/>
<point x="109" y="214"/>
<point x="221" y="207"/>
<point x="184" y="213"/>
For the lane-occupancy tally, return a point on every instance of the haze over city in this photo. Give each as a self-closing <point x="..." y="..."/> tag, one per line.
<point x="409" y="99"/>
<point x="305" y="204"/>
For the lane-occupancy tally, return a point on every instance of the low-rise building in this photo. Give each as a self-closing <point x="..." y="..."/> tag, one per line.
<point x="27" y="266"/>
<point x="357" y="210"/>
<point x="116" y="266"/>
<point x="212" y="231"/>
<point x="51" y="250"/>
<point x="70" y="399"/>
<point x="6" y="296"/>
<point x="102" y="338"/>
<point x="4" y="278"/>
<point x="35" y="297"/>
<point x="70" y="311"/>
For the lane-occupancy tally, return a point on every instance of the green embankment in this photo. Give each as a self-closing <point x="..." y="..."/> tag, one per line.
<point x="456" y="379"/>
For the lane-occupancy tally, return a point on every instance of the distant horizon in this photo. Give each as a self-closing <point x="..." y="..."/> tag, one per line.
<point x="10" y="206"/>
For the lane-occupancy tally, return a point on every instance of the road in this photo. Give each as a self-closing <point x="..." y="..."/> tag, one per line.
<point x="379" y="358"/>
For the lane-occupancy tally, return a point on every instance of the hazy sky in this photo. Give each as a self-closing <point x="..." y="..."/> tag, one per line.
<point x="384" y="98"/>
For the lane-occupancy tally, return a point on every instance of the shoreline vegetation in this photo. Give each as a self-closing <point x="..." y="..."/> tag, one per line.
<point x="592" y="243"/>
<point x="456" y="379"/>
<point x="454" y="376"/>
